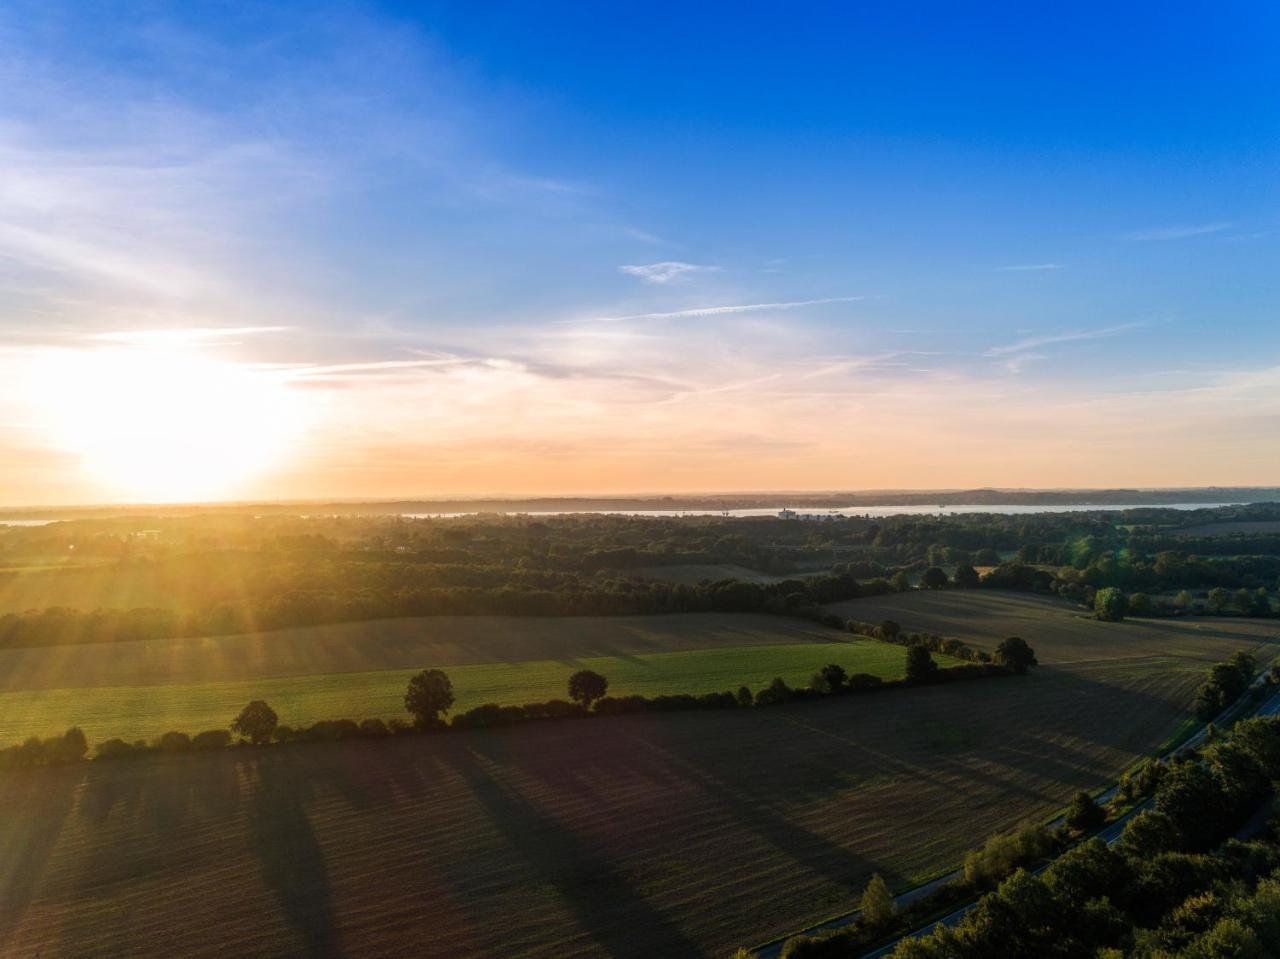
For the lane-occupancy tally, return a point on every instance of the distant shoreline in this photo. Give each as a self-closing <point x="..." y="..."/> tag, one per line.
<point x="986" y="497"/>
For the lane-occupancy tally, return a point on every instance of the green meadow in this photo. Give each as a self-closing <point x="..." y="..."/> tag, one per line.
<point x="144" y="712"/>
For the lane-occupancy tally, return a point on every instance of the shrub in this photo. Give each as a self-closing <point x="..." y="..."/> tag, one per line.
<point x="1084" y="815"/>
<point x="776" y="692"/>
<point x="934" y="578"/>
<point x="861" y="681"/>
<point x="329" y="730"/>
<point x="174" y="742"/>
<point x="1109" y="604"/>
<point x="877" y="904"/>
<point x="1014" y="654"/>
<point x="212" y="739"/>
<point x="116" y="749"/>
<point x="1002" y="854"/>
<point x="920" y="665"/>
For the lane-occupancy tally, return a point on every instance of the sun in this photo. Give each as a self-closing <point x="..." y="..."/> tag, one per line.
<point x="162" y="424"/>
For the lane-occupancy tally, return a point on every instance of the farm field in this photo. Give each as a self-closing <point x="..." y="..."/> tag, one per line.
<point x="1229" y="527"/>
<point x="1060" y="632"/>
<point x="145" y="712"/>
<point x="100" y="585"/>
<point x="673" y="835"/>
<point x="692" y="573"/>
<point x="390" y="644"/>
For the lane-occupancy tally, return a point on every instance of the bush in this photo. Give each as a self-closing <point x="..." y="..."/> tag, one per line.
<point x="115" y="749"/>
<point x="863" y="681"/>
<point x="1084" y="815"/>
<point x="212" y="739"/>
<point x="329" y="730"/>
<point x="986" y="867"/>
<point x="776" y="692"/>
<point x="1109" y="605"/>
<point x="174" y="742"/>
<point x="920" y="665"/>
<point x="1014" y="654"/>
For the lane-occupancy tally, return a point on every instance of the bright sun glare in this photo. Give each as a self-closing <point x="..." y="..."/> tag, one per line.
<point x="166" y="424"/>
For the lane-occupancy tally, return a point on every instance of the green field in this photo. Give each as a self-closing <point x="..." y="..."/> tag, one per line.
<point x="144" y="712"/>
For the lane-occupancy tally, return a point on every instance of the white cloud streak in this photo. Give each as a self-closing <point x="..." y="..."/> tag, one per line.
<point x="197" y="334"/>
<point x="1179" y="232"/>
<point x="666" y="271"/>
<point x="1035" y="342"/>
<point x="702" y="311"/>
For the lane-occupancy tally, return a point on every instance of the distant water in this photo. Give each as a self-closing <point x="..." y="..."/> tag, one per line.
<point x="869" y="511"/>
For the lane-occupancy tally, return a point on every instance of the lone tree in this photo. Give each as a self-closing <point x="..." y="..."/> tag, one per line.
<point x="934" y="578"/>
<point x="833" y="677"/>
<point x="966" y="577"/>
<point x="1014" y="653"/>
<point x="586" y="686"/>
<point x="889" y="630"/>
<point x="430" y="693"/>
<point x="1084" y="814"/>
<point x="257" y="722"/>
<point x="877" y="903"/>
<point x="1219" y="599"/>
<point x="1109" y="605"/>
<point x="920" y="664"/>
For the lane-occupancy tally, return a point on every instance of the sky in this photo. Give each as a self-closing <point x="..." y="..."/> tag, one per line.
<point x="357" y="250"/>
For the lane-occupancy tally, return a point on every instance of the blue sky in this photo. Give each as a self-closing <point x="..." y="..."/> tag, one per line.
<point x="519" y="247"/>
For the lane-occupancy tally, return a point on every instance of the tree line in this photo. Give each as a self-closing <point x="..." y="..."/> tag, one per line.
<point x="429" y="698"/>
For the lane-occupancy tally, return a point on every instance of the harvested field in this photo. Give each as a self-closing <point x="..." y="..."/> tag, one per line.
<point x="668" y="835"/>
<point x="145" y="712"/>
<point x="1060" y="632"/>
<point x="661" y="835"/>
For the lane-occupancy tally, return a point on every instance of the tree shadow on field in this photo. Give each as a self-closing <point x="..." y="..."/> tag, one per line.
<point x="602" y="897"/>
<point x="43" y="799"/>
<point x="293" y="865"/>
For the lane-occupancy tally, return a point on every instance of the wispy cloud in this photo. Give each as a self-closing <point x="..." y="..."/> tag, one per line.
<point x="1035" y="342"/>
<point x="644" y="236"/>
<point x="1179" y="232"/>
<point x="1028" y="267"/>
<point x="722" y="310"/>
<point x="666" y="271"/>
<point x="198" y="334"/>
